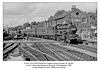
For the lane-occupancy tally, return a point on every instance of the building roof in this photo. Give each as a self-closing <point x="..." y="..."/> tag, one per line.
<point x="62" y="15"/>
<point x="58" y="15"/>
<point x="77" y="10"/>
<point x="50" y="18"/>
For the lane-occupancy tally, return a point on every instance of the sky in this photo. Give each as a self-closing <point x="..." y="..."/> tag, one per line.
<point x="17" y="13"/>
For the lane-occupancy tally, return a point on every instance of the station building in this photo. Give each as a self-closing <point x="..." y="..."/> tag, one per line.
<point x="82" y="20"/>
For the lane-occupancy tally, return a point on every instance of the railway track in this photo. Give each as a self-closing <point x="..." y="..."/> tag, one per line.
<point x="49" y="52"/>
<point x="77" y="54"/>
<point x="8" y="49"/>
<point x="34" y="53"/>
<point x="65" y="55"/>
<point x="46" y="54"/>
<point x="84" y="47"/>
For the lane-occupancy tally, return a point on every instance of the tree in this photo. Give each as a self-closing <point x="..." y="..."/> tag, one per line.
<point x="20" y="27"/>
<point x="27" y="24"/>
<point x="38" y="23"/>
<point x="13" y="28"/>
<point x="33" y="23"/>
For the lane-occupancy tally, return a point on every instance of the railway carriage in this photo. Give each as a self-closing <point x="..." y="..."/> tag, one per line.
<point x="45" y="32"/>
<point x="29" y="32"/>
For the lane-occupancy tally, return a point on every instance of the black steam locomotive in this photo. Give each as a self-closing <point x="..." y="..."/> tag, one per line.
<point x="67" y="33"/>
<point x="60" y="32"/>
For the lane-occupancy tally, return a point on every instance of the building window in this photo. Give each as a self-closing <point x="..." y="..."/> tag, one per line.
<point x="77" y="13"/>
<point x="84" y="20"/>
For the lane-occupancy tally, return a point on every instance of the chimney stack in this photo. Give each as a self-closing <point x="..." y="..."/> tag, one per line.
<point x="73" y="7"/>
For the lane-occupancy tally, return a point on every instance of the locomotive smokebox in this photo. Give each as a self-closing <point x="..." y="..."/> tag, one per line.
<point x="72" y="29"/>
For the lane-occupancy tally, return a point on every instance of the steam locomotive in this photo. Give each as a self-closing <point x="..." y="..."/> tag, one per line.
<point x="60" y="32"/>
